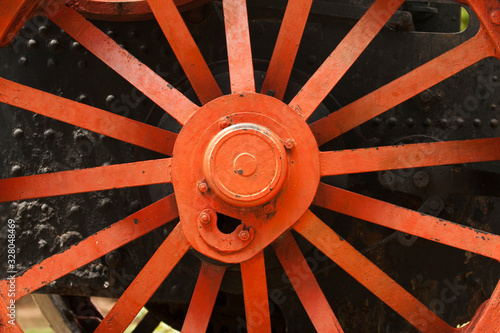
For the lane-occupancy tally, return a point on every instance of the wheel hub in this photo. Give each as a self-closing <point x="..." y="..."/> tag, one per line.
<point x="246" y="164"/>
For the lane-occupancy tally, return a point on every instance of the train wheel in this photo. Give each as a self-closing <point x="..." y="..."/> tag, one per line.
<point x="252" y="160"/>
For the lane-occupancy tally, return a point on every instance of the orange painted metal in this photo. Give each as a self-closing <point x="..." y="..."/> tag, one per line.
<point x="239" y="51"/>
<point x="408" y="221"/>
<point x="203" y="300"/>
<point x="307" y="288"/>
<point x="287" y="206"/>
<point x="369" y="275"/>
<point x="86" y="180"/>
<point x="13" y="15"/>
<point x="6" y="323"/>
<point x="403" y="88"/>
<point x="121" y="61"/>
<point x="84" y="116"/>
<point x="104" y="241"/>
<point x="486" y="319"/>
<point x="253" y="275"/>
<point x="146" y="282"/>
<point x="409" y="156"/>
<point x="342" y="58"/>
<point x="287" y="45"/>
<point x="246" y="164"/>
<point x="124" y="10"/>
<point x="186" y="50"/>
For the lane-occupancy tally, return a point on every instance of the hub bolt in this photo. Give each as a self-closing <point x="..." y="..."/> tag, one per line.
<point x="202" y="187"/>
<point x="224" y="123"/>
<point x="244" y="235"/>
<point x="204" y="217"/>
<point x="289" y="144"/>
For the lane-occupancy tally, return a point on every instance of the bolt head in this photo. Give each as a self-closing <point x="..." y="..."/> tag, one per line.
<point x="204" y="218"/>
<point x="495" y="17"/>
<point x="224" y="123"/>
<point x="289" y="144"/>
<point x="244" y="235"/>
<point x="268" y="209"/>
<point x="202" y="187"/>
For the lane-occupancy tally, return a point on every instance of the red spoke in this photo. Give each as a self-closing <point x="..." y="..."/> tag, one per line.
<point x="185" y="49"/>
<point x="344" y="55"/>
<point x="403" y="88"/>
<point x="408" y="221"/>
<point x="305" y="284"/>
<point x="86" y="180"/>
<point x="369" y="275"/>
<point x="253" y="274"/>
<point x="87" y="117"/>
<point x="145" y="284"/>
<point x="121" y="61"/>
<point x="287" y="45"/>
<point x="203" y="300"/>
<point x="409" y="156"/>
<point x="239" y="51"/>
<point x="486" y="320"/>
<point x="95" y="246"/>
<point x="7" y="323"/>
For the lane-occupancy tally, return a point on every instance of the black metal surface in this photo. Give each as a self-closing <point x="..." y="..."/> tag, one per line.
<point x="463" y="107"/>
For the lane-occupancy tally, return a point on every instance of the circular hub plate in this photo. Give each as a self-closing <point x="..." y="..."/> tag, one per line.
<point x="251" y="178"/>
<point x="246" y="164"/>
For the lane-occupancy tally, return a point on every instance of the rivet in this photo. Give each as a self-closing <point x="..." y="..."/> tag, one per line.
<point x="16" y="170"/>
<point x="421" y="179"/>
<point x="289" y="144"/>
<point x="377" y="121"/>
<point x="476" y="122"/>
<point x="111" y="33"/>
<point x="202" y="187"/>
<point x="43" y="31"/>
<point x="75" y="46"/>
<point x="392" y="121"/>
<point x="443" y="123"/>
<point x="460" y="122"/>
<point x="23" y="61"/>
<point x="82" y="98"/>
<point x="135" y="206"/>
<point x="18" y="133"/>
<point x="31" y="44"/>
<point x="110" y="99"/>
<point x="51" y="63"/>
<point x="73" y="210"/>
<point x="410" y="122"/>
<point x="268" y="209"/>
<point x="132" y="34"/>
<point x="495" y="17"/>
<point x="493" y="123"/>
<point x="244" y="235"/>
<point x="204" y="217"/>
<point x="494" y="78"/>
<point x="225" y="123"/>
<point x="82" y="64"/>
<point x="49" y="134"/>
<point x="493" y="106"/>
<point x="144" y="49"/>
<point x="428" y="122"/>
<point x="53" y="44"/>
<point x="44" y="208"/>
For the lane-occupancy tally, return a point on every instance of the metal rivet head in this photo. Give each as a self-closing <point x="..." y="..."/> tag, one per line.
<point x="202" y="187"/>
<point x="244" y="235"/>
<point x="289" y="144"/>
<point x="268" y="209"/>
<point x="204" y="217"/>
<point x="225" y="123"/>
